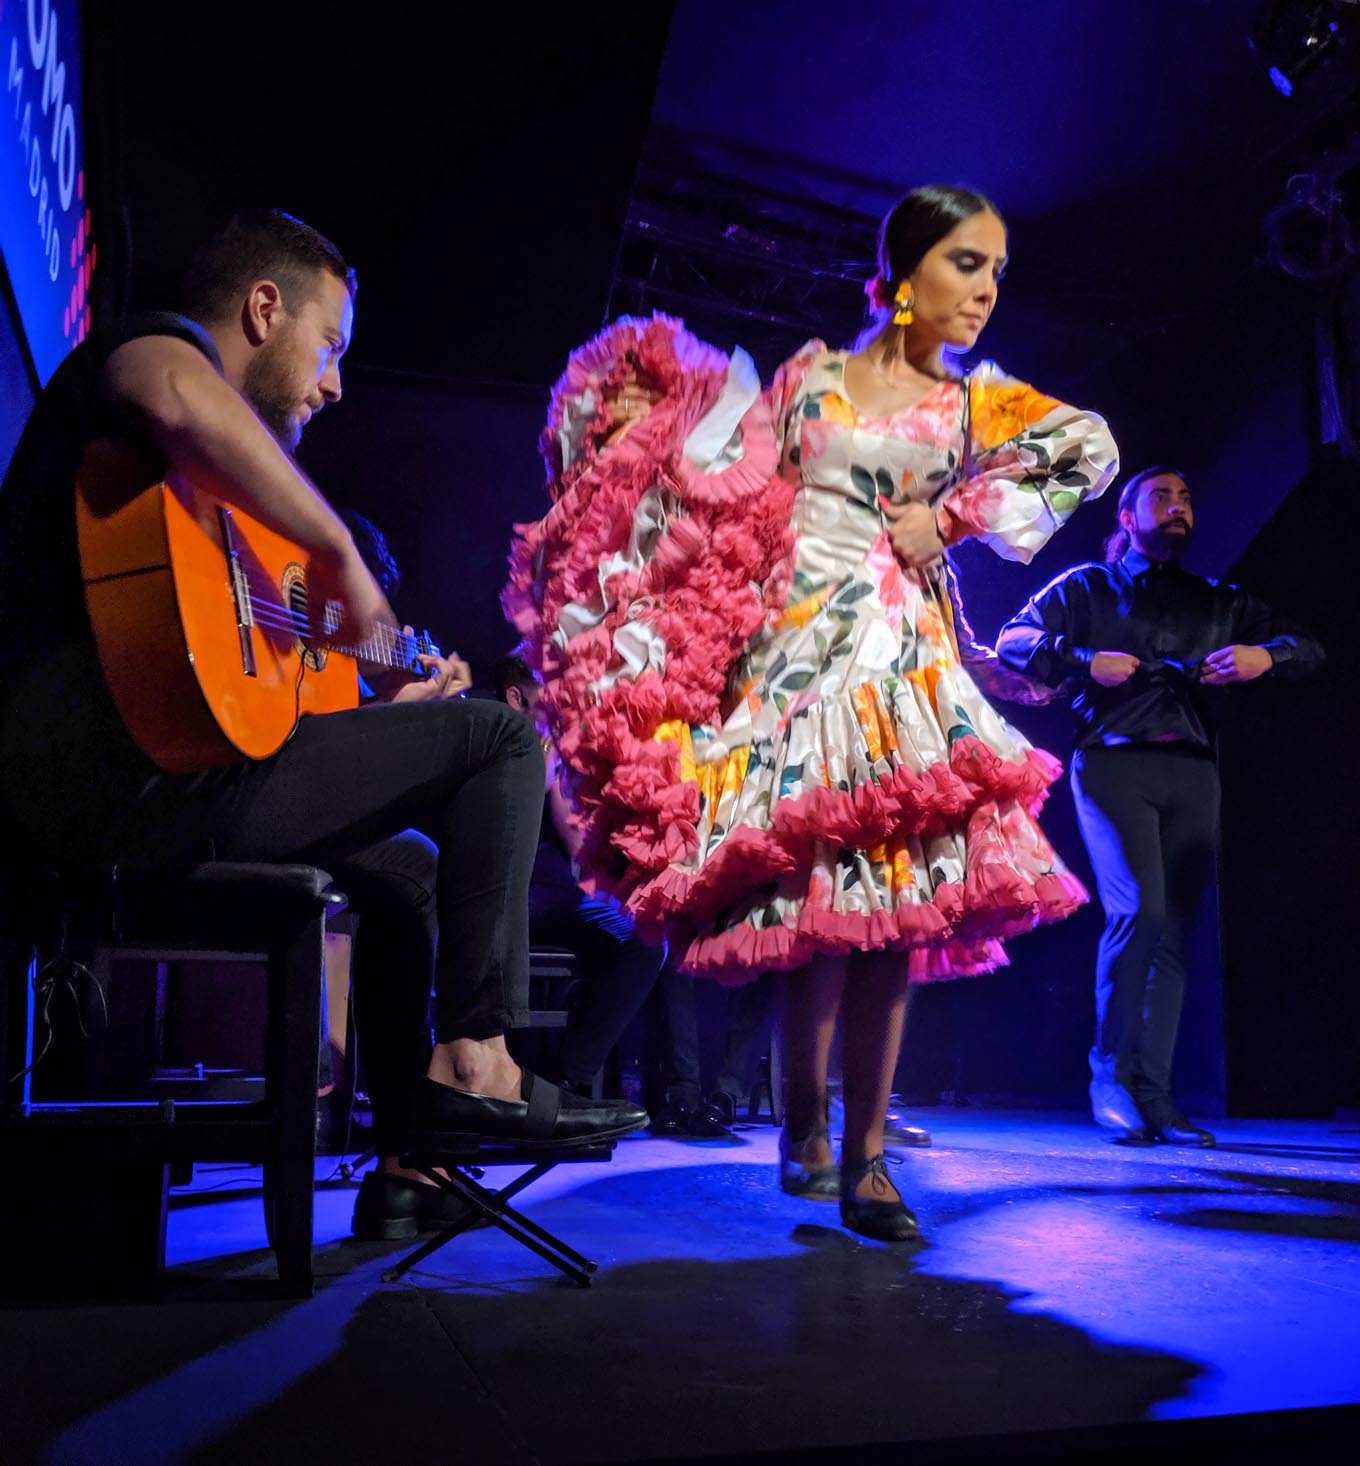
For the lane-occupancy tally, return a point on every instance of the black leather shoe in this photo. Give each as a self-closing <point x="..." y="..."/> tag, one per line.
<point x="1177" y="1130"/>
<point x="546" y="1117"/>
<point x="671" y="1119"/>
<point x="900" y="1133"/>
<point x="707" y="1123"/>
<point x="1112" y="1106"/>
<point x="884" y="1220"/>
<point x="391" y="1207"/>
<point x="1136" y="1135"/>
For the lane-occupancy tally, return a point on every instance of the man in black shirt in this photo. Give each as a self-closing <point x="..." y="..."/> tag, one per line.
<point x="220" y="398"/>
<point x="1139" y="639"/>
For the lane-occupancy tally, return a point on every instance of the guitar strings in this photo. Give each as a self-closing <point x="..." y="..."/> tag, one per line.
<point x="389" y="645"/>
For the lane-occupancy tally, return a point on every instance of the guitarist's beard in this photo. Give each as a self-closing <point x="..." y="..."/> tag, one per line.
<point x="272" y="388"/>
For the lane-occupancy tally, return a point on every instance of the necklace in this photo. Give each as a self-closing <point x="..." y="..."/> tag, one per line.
<point x="893" y="382"/>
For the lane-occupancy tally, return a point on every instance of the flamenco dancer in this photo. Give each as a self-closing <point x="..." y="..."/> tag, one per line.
<point x="773" y="717"/>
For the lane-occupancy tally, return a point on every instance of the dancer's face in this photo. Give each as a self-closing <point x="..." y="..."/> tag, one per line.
<point x="1161" y="522"/>
<point x="956" y="283"/>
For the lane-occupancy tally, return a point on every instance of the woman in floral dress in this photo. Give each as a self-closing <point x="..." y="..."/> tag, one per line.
<point x="773" y="718"/>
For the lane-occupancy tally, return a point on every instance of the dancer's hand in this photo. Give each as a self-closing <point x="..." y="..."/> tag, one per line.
<point x="914" y="532"/>
<point x="631" y="404"/>
<point x="1111" y="669"/>
<point x="1235" y="664"/>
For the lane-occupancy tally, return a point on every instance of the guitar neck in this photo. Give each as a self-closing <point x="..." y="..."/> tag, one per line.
<point x="389" y="646"/>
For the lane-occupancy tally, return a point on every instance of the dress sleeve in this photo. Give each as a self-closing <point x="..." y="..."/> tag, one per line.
<point x="785" y="393"/>
<point x="1032" y="461"/>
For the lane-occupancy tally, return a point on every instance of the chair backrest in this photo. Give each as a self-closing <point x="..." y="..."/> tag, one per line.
<point x="553" y="979"/>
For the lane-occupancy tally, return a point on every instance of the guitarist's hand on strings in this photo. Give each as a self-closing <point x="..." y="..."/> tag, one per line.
<point x="342" y="577"/>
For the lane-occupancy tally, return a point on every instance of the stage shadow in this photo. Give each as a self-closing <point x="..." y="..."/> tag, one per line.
<point x="745" y="1328"/>
<point x="1348" y="1155"/>
<point x="1314" y="1226"/>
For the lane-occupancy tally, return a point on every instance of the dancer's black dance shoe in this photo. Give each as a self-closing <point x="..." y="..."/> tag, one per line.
<point x="546" y="1116"/>
<point x="878" y="1217"/>
<point x="391" y="1207"/>
<point x="797" y="1178"/>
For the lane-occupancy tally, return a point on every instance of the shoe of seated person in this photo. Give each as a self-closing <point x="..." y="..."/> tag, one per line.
<point x="388" y="1208"/>
<point x="544" y="1117"/>
<point x="711" y="1120"/>
<point x="670" y="1119"/>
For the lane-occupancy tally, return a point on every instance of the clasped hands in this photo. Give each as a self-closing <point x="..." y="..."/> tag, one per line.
<point x="1228" y="664"/>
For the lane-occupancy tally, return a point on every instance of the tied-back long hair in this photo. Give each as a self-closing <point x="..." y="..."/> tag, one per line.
<point x="1118" y="541"/>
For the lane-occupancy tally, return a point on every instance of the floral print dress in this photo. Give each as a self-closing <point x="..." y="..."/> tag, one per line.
<point x="776" y="744"/>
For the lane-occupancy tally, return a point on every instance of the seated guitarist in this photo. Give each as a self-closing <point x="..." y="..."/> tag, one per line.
<point x="220" y="397"/>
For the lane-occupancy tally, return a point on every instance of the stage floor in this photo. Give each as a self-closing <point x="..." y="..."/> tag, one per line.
<point x="1067" y="1283"/>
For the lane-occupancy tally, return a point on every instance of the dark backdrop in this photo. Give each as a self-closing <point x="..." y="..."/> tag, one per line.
<point x="481" y="178"/>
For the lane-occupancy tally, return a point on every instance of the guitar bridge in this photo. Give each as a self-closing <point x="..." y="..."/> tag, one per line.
<point x="240" y="591"/>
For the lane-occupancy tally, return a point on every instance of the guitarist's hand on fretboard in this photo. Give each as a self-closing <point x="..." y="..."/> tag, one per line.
<point x="345" y="580"/>
<point x="444" y="677"/>
<point x="438" y="678"/>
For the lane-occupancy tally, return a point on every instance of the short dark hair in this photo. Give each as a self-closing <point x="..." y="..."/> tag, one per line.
<point x="514" y="671"/>
<point x="373" y="549"/>
<point x="1118" y="541"/>
<point x="918" y="222"/>
<point x="260" y="244"/>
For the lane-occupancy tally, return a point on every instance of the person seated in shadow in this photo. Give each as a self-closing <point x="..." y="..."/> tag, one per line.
<point x="618" y="967"/>
<point x="681" y="1105"/>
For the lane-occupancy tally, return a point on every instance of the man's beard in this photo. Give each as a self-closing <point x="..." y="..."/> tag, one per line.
<point x="1164" y="542"/>
<point x="272" y="391"/>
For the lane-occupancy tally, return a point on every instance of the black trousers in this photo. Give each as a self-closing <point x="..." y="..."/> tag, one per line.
<point x="343" y="793"/>
<point x="619" y="969"/>
<point x="674" y="1033"/>
<point x="1149" y="816"/>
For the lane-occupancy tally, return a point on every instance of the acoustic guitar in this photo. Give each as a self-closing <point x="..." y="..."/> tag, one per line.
<point x="201" y="620"/>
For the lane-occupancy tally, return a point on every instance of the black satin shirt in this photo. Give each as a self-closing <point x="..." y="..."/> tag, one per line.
<point x="1167" y="618"/>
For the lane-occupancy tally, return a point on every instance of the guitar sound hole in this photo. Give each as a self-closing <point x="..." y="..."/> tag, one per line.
<point x="314" y="658"/>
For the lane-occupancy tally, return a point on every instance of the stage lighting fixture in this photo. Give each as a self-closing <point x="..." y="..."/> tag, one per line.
<point x="1298" y="36"/>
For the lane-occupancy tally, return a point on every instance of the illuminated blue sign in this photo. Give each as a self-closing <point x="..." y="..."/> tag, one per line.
<point x="45" y="219"/>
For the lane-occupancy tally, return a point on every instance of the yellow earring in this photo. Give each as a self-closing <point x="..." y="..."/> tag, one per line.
<point x="904" y="300"/>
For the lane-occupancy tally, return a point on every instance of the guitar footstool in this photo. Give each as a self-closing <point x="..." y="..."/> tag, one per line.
<point x="465" y="1159"/>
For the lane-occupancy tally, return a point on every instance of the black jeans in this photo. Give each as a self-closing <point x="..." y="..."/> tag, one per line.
<point x="619" y="970"/>
<point x="1149" y="816"/>
<point x="339" y="794"/>
<point x="675" y="1037"/>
